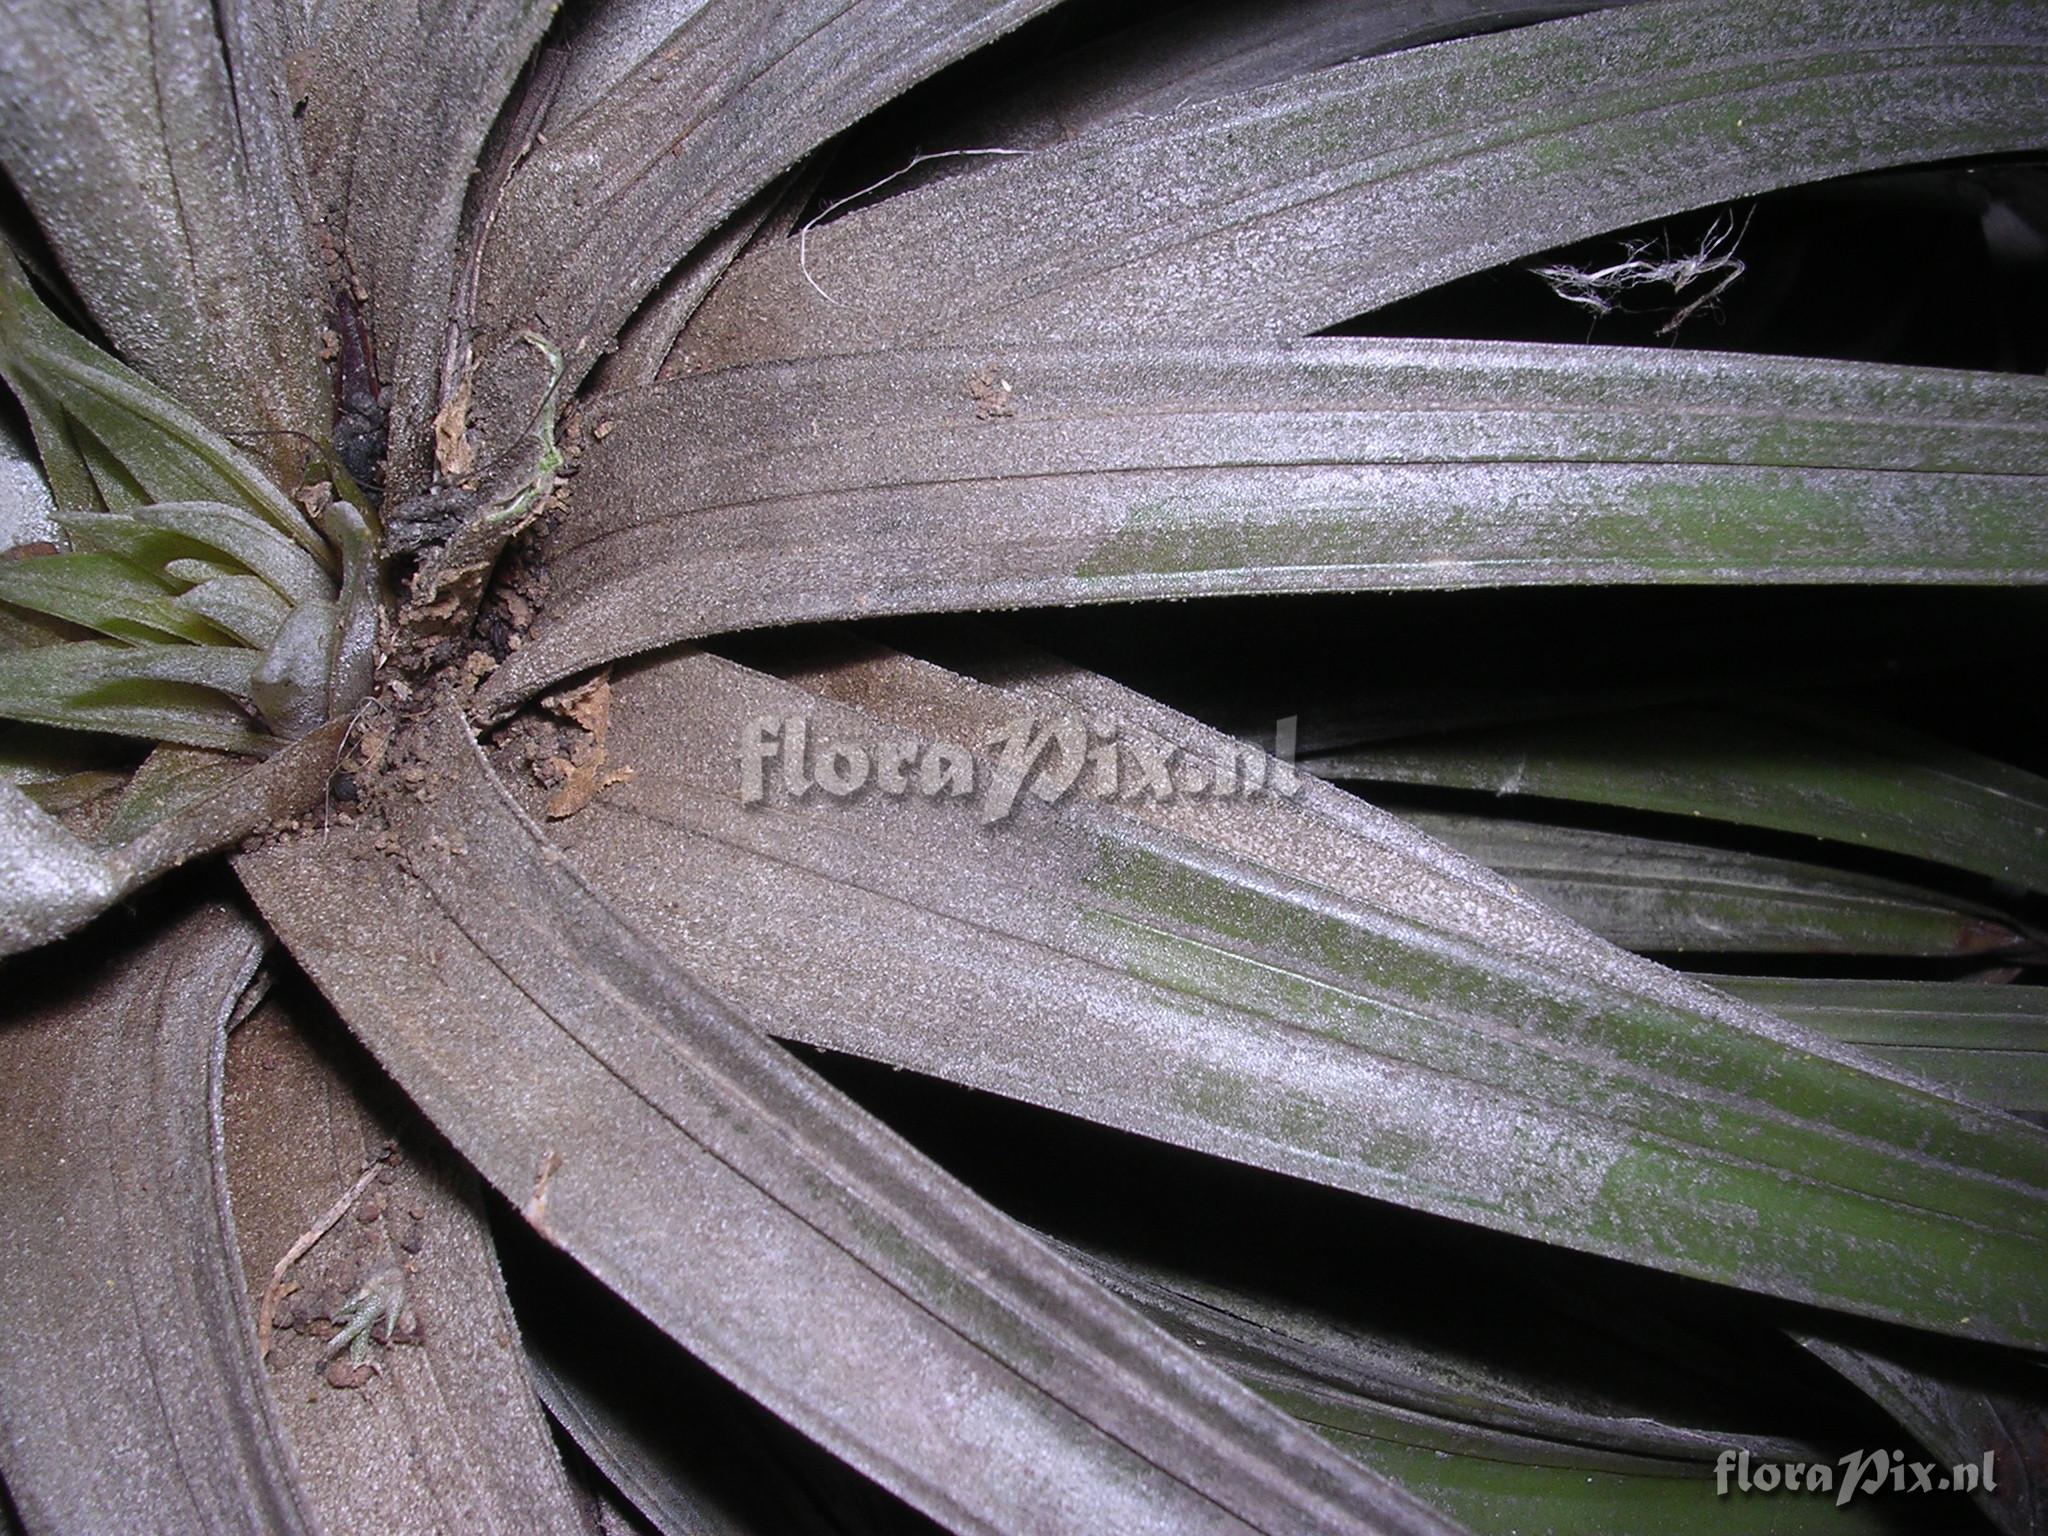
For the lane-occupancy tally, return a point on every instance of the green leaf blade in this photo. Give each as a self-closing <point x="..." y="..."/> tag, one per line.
<point x="1828" y="774"/>
<point x="105" y="593"/>
<point x="183" y="694"/>
<point x="138" y="443"/>
<point x="1673" y="897"/>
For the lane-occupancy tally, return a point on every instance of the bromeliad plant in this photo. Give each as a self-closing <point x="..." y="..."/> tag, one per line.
<point x="215" y="616"/>
<point x="470" y="380"/>
<point x="189" y="563"/>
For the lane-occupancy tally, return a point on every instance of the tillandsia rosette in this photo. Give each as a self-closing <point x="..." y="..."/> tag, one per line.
<point x="195" y="607"/>
<point x="1024" y="766"/>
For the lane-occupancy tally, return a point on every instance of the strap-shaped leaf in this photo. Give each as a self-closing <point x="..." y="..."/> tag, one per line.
<point x="1826" y="774"/>
<point x="159" y="533"/>
<point x="174" y="693"/>
<point x="123" y="1294"/>
<point x="758" y="1217"/>
<point x="1309" y="988"/>
<point x="26" y="505"/>
<point x="1987" y="1042"/>
<point x="193" y="569"/>
<point x="169" y="780"/>
<point x="671" y="117"/>
<point x="900" y="482"/>
<point x="1652" y="894"/>
<point x="1553" y="1466"/>
<point x="151" y="145"/>
<point x="1418" y="1391"/>
<point x="692" y="1462"/>
<point x="1984" y="1415"/>
<point x="1906" y="1013"/>
<point x="139" y="444"/>
<point x="647" y="347"/>
<point x="1212" y="48"/>
<point x="1283" y="211"/>
<point x="36" y="759"/>
<point x="108" y="594"/>
<point x="448" y="1436"/>
<point x="66" y="470"/>
<point x="392" y="108"/>
<point x="243" y="606"/>
<point x="690" y="1455"/>
<point x="55" y="881"/>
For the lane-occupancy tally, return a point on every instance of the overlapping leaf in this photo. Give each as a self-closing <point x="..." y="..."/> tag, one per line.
<point x="447" y="1434"/>
<point x="1279" y="212"/>
<point x="1211" y="48"/>
<point x="1517" y="1449"/>
<point x="1986" y="1042"/>
<point x="1504" y="1457"/>
<point x="214" y="587"/>
<point x="131" y="1397"/>
<point x="752" y="1213"/>
<point x="647" y="349"/>
<point x="152" y="146"/>
<point x="1304" y="986"/>
<point x="1984" y="1415"/>
<point x="56" y="881"/>
<point x="1651" y="894"/>
<point x="898" y="482"/>
<point x="670" y="117"/>
<point x="162" y="693"/>
<point x="112" y="440"/>
<point x="392" y="102"/>
<point x="689" y="1454"/>
<point x="1309" y="988"/>
<point x="1826" y="774"/>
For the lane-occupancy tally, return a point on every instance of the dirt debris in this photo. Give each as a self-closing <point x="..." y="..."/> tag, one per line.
<point x="992" y="393"/>
<point x="578" y="774"/>
<point x="454" y="448"/>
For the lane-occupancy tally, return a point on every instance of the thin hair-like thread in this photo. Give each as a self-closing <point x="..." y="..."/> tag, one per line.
<point x="803" y="235"/>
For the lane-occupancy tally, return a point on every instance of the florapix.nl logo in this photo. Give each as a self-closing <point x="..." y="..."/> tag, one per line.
<point x="791" y="757"/>
<point x="1859" y="1473"/>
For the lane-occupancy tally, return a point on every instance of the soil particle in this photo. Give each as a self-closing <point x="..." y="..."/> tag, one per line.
<point x="580" y="772"/>
<point x="349" y="1378"/>
<point x="991" y="391"/>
